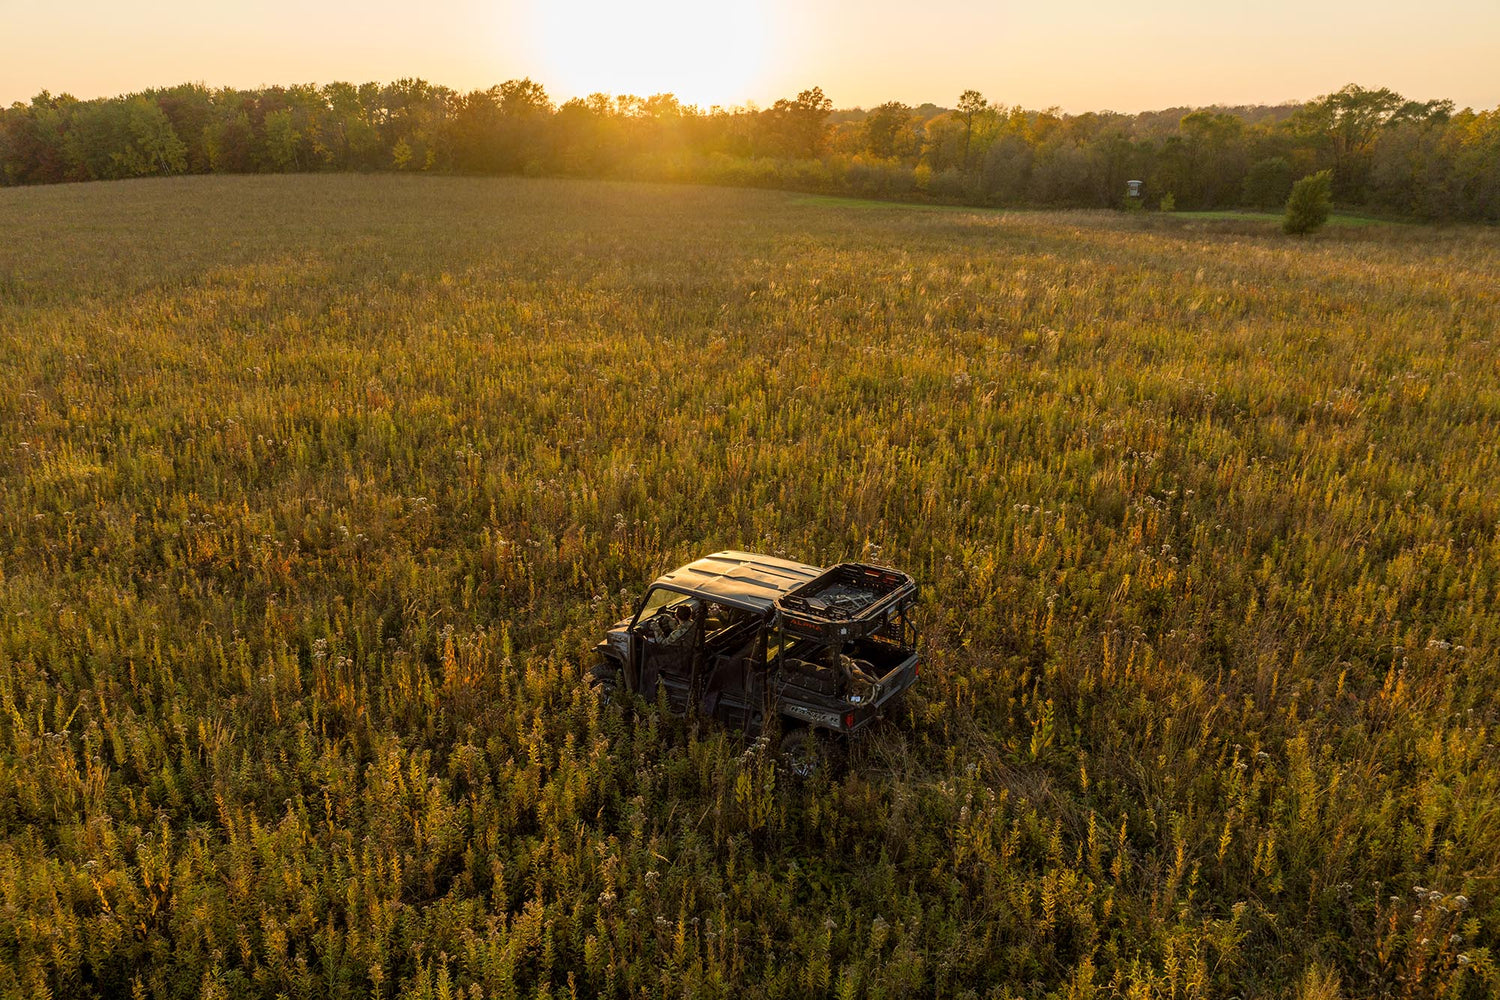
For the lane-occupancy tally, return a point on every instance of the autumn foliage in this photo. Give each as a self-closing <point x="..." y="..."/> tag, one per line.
<point x="1419" y="159"/>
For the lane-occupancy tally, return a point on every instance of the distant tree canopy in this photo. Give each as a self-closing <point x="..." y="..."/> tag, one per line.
<point x="1383" y="152"/>
<point x="1268" y="182"/>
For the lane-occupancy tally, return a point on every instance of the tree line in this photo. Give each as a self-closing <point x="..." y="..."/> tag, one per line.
<point x="1385" y="153"/>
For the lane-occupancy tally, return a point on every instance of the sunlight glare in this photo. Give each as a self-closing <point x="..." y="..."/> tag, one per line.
<point x="705" y="53"/>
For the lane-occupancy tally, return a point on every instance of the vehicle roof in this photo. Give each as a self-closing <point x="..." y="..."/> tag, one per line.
<point x="743" y="579"/>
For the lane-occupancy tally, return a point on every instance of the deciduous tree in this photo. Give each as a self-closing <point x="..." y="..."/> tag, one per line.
<point x="1267" y="183"/>
<point x="971" y="104"/>
<point x="891" y="131"/>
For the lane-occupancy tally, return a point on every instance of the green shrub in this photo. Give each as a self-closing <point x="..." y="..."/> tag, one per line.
<point x="1168" y="202"/>
<point x="1307" y="208"/>
<point x="949" y="184"/>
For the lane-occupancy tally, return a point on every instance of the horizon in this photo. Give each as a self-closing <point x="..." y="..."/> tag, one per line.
<point x="1130" y="61"/>
<point x="751" y="106"/>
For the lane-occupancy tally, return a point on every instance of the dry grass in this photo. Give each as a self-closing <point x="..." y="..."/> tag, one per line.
<point x="314" y="492"/>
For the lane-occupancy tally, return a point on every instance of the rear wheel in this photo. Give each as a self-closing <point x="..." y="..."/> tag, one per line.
<point x="804" y="752"/>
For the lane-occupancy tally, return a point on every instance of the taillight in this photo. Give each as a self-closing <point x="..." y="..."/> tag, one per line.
<point x="848" y="720"/>
<point x="916" y="671"/>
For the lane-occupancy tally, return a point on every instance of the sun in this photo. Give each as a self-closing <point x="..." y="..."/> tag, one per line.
<point x="705" y="53"/>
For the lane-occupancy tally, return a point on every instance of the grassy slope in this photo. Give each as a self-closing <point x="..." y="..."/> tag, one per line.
<point x="315" y="490"/>
<point x="1335" y="219"/>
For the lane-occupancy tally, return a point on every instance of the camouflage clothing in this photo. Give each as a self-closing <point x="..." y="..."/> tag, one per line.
<point x="682" y="635"/>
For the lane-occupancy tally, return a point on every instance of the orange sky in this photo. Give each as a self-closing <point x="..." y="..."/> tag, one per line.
<point x="1085" y="55"/>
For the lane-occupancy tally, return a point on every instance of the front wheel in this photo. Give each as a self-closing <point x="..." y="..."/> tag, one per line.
<point x="604" y="680"/>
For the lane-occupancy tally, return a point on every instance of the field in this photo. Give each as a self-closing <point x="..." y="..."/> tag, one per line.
<point x="315" y="492"/>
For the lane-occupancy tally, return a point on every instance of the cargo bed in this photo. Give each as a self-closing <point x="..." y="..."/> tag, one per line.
<point x="847" y="602"/>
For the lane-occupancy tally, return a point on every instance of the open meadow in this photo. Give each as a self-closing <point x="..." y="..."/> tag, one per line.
<point x="315" y="492"/>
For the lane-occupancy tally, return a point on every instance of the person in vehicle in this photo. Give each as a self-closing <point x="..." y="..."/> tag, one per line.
<point x="686" y="631"/>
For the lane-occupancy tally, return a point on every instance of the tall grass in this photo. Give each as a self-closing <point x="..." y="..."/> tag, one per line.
<point x="315" y="491"/>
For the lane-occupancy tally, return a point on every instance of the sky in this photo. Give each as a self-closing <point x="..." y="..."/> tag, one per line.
<point x="1079" y="55"/>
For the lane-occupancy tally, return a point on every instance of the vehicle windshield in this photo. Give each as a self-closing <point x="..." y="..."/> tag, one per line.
<point x="661" y="599"/>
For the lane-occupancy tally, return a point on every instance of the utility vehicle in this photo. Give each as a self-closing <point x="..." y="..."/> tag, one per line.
<point x="748" y="638"/>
